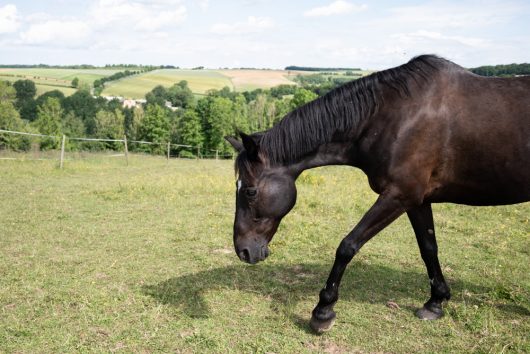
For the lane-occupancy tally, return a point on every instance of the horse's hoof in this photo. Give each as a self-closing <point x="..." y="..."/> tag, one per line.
<point x="321" y="326"/>
<point x="429" y="314"/>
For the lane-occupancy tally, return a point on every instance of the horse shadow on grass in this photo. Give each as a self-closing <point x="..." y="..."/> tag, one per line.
<point x="288" y="284"/>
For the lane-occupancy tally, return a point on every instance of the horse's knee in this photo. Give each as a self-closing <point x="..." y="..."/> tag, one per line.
<point x="347" y="249"/>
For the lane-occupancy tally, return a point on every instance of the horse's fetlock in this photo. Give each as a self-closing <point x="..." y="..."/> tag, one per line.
<point x="440" y="291"/>
<point x="329" y="296"/>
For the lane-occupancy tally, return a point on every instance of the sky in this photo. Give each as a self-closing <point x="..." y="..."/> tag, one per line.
<point x="263" y="33"/>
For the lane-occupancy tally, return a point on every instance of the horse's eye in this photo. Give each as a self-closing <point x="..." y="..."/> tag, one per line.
<point x="251" y="192"/>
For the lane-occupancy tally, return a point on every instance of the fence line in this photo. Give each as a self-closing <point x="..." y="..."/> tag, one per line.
<point x="94" y="139"/>
<point x="126" y="142"/>
<point x="31" y="134"/>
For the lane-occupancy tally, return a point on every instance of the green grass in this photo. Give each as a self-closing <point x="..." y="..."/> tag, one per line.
<point x="199" y="81"/>
<point x="54" y="79"/>
<point x="137" y="86"/>
<point x="102" y="257"/>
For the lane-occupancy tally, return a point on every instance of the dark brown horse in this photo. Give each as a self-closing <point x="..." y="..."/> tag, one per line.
<point x="426" y="132"/>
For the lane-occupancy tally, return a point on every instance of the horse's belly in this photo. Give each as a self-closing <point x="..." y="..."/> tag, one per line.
<point x="472" y="195"/>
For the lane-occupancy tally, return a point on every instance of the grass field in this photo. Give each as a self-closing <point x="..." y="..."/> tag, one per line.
<point x="100" y="257"/>
<point x="137" y="86"/>
<point x="54" y="79"/>
<point x="248" y="80"/>
<point x="199" y="81"/>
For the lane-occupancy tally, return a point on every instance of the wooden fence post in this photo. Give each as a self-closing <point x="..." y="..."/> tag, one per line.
<point x="126" y="150"/>
<point x="62" y="153"/>
<point x="217" y="154"/>
<point x="168" y="147"/>
<point x="198" y="152"/>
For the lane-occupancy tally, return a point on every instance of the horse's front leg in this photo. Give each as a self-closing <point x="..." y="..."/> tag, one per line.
<point x="386" y="209"/>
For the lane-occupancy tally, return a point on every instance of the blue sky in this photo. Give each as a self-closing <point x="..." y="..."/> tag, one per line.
<point x="263" y="33"/>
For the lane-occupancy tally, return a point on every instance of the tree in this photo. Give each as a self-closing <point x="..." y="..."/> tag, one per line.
<point x="75" y="82"/>
<point x="216" y="117"/>
<point x="48" y="122"/>
<point x="133" y="121"/>
<point x="10" y="120"/>
<point x="53" y="93"/>
<point x="26" y="90"/>
<point x="180" y="95"/>
<point x="110" y="125"/>
<point x="301" y="97"/>
<point x="155" y="128"/>
<point x="190" y="129"/>
<point x="157" y="96"/>
<point x="25" y="102"/>
<point x="240" y="114"/>
<point x="73" y="127"/>
<point x="256" y="113"/>
<point x="83" y="105"/>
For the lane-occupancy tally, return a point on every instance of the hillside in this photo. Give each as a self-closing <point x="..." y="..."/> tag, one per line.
<point x="53" y="78"/>
<point x="199" y="81"/>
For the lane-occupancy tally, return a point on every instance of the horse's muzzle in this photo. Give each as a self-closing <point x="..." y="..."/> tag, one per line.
<point x="253" y="255"/>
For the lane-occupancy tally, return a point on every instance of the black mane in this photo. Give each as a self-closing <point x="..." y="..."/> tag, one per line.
<point x="315" y="123"/>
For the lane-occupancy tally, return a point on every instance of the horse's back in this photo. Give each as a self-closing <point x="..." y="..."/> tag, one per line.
<point x="488" y="139"/>
<point x="461" y="138"/>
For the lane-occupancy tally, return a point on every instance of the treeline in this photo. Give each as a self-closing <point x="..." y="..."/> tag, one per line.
<point x="170" y="114"/>
<point x="82" y="66"/>
<point x="99" y="84"/>
<point x="46" y="66"/>
<point x="311" y="68"/>
<point x="502" y="70"/>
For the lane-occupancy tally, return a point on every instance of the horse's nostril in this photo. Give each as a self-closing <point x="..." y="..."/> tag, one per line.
<point x="244" y="255"/>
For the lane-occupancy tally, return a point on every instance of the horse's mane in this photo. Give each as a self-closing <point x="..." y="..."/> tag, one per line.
<point x="341" y="110"/>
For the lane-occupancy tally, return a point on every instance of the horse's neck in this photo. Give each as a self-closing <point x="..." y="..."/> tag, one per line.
<point x="325" y="155"/>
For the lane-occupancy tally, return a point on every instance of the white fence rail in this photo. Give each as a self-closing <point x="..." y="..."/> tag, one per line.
<point x="205" y="153"/>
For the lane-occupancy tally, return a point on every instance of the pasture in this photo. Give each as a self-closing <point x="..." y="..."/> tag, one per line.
<point x="199" y="81"/>
<point x="53" y="78"/>
<point x="248" y="80"/>
<point x="103" y="257"/>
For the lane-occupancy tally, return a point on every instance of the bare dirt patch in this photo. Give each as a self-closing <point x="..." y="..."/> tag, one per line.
<point x="243" y="79"/>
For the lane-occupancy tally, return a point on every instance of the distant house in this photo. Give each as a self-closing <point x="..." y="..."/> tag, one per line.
<point x="130" y="103"/>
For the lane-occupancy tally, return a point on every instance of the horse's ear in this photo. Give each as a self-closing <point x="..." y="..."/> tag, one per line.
<point x="236" y="144"/>
<point x="250" y="142"/>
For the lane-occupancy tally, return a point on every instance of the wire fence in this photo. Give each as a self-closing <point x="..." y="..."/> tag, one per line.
<point x="170" y="150"/>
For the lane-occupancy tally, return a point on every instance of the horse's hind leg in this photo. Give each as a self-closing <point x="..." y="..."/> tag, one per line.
<point x="423" y="225"/>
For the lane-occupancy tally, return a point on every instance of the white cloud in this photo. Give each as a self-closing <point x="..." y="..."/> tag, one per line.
<point x="252" y="25"/>
<point x="8" y="19"/>
<point x="204" y="4"/>
<point x="423" y="36"/>
<point x="140" y="15"/>
<point x="162" y="19"/>
<point x="338" y="7"/>
<point x="455" y="15"/>
<point x="60" y="33"/>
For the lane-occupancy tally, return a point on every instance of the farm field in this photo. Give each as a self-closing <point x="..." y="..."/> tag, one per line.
<point x="53" y="78"/>
<point x="137" y="86"/>
<point x="103" y="257"/>
<point x="199" y="81"/>
<point x="248" y="80"/>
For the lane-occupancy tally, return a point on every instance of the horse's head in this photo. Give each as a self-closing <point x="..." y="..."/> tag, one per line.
<point x="264" y="195"/>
